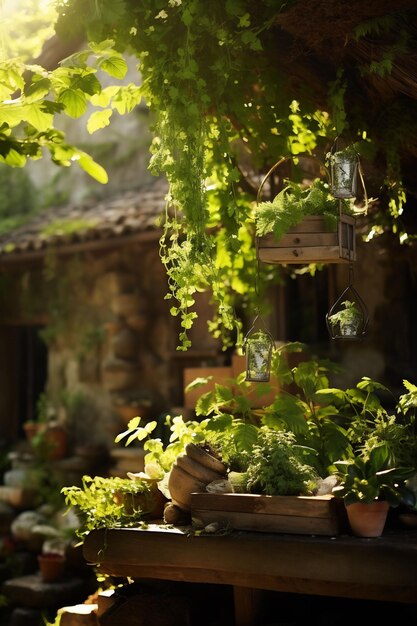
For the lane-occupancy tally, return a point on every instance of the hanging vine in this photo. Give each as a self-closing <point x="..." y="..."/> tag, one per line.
<point x="227" y="106"/>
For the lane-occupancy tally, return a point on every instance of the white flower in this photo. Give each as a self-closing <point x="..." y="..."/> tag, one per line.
<point x="162" y="15"/>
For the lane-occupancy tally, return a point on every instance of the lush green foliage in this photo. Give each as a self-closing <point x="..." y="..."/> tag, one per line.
<point x="293" y="203"/>
<point x="224" y="110"/>
<point x="160" y="456"/>
<point x="31" y="96"/>
<point x="309" y="431"/>
<point x="191" y="62"/>
<point x="277" y="468"/>
<point x="98" y="505"/>
<point x="349" y="314"/>
<point x="366" y="480"/>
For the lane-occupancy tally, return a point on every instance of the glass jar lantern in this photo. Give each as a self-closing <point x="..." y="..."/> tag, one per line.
<point x="257" y="347"/>
<point x="343" y="161"/>
<point x="343" y="175"/>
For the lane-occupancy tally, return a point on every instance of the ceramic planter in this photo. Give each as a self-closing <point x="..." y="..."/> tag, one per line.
<point x="367" y="519"/>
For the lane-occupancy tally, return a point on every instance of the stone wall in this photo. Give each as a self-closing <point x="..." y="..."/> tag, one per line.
<point x="115" y="342"/>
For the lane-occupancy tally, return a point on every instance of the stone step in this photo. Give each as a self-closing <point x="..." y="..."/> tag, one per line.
<point x="30" y="591"/>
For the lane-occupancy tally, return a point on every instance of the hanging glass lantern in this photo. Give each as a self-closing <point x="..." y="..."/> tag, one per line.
<point x="348" y="317"/>
<point x="344" y="163"/>
<point x="257" y="346"/>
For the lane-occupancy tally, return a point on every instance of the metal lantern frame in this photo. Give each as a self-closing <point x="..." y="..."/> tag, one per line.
<point x="350" y="294"/>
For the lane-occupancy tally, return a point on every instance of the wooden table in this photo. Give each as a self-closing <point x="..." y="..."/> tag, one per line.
<point x="384" y="568"/>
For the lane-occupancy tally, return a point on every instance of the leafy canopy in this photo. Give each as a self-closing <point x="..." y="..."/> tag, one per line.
<point x="225" y="109"/>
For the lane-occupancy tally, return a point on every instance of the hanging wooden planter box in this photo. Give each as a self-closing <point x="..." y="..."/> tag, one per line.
<point x="303" y="515"/>
<point x="311" y="242"/>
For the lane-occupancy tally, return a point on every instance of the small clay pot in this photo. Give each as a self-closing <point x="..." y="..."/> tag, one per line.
<point x="51" y="566"/>
<point x="367" y="519"/>
<point x="56" y="438"/>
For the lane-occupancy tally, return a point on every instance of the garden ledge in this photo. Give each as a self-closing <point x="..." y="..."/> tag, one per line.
<point x="382" y="569"/>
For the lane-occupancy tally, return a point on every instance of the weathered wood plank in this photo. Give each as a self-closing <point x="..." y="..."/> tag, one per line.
<point x="342" y="566"/>
<point x="311" y="241"/>
<point x="320" y="254"/>
<point x="307" y="506"/>
<point x="268" y="523"/>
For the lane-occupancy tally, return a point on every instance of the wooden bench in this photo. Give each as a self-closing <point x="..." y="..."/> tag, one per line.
<point x="382" y="569"/>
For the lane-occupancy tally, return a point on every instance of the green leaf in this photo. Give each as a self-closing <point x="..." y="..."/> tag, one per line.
<point x="15" y="159"/>
<point x="292" y="412"/>
<point x="38" y="117"/>
<point x="114" y="65"/>
<point x="220" y="423"/>
<point x="224" y="394"/>
<point x="87" y="83"/>
<point x="74" y="101"/>
<point x="96" y="171"/>
<point x="99" y="120"/>
<point x="37" y="90"/>
<point x="187" y="17"/>
<point x="103" y="98"/>
<point x="204" y="404"/>
<point x="134" y="422"/>
<point x="327" y="396"/>
<point x="367" y="384"/>
<point x="245" y="436"/>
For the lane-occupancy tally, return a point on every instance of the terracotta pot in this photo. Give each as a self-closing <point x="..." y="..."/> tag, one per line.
<point x="56" y="439"/>
<point x="51" y="566"/>
<point x="31" y="429"/>
<point x="191" y="473"/>
<point x="367" y="519"/>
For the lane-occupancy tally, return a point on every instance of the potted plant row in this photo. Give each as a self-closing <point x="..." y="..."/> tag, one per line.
<point x="314" y="446"/>
<point x="334" y="430"/>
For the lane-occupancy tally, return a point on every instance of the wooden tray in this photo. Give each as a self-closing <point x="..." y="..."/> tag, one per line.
<point x="316" y="515"/>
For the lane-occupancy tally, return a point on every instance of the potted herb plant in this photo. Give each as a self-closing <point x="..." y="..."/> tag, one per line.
<point x="277" y="467"/>
<point x="347" y="320"/>
<point x="112" y="501"/>
<point x="369" y="486"/>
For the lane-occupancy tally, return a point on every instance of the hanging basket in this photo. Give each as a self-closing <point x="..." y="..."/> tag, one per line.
<point x="348" y="317"/>
<point x="310" y="241"/>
